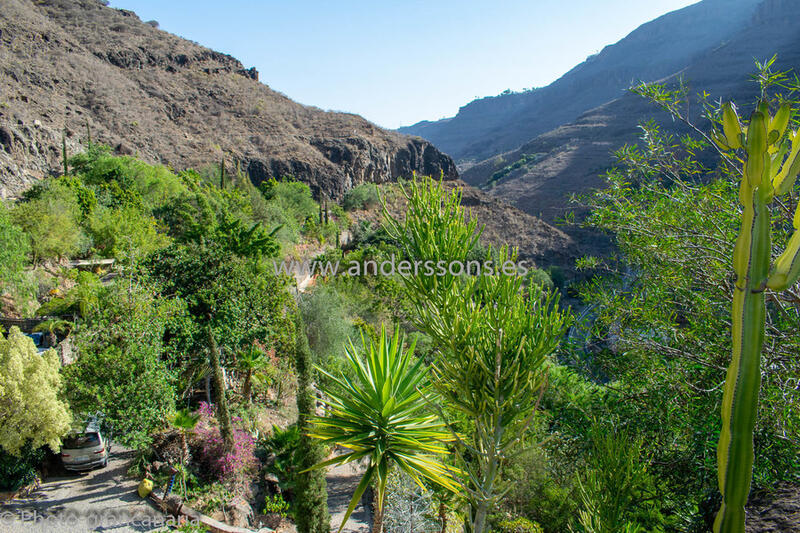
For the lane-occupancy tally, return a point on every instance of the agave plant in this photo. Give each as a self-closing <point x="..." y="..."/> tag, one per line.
<point x="771" y="167"/>
<point x="382" y="416"/>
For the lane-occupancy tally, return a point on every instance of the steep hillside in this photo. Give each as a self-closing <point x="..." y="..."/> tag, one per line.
<point x="570" y="158"/>
<point x="92" y="70"/>
<point x="66" y="64"/>
<point x="493" y="125"/>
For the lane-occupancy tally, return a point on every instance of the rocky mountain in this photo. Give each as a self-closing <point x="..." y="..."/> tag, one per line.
<point x="655" y="50"/>
<point x="80" y="67"/>
<point x="571" y="158"/>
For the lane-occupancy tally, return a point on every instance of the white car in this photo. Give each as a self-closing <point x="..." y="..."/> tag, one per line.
<point x="84" y="451"/>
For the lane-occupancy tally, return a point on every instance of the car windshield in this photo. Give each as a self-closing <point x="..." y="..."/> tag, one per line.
<point x="83" y="440"/>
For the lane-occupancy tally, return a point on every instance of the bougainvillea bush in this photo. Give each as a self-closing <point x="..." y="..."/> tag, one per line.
<point x="232" y="468"/>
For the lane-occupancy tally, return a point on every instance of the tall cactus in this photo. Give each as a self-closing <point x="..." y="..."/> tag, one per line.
<point x="771" y="167"/>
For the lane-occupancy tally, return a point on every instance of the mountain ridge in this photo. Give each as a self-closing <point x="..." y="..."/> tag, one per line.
<point x="571" y="158"/>
<point x="488" y="126"/>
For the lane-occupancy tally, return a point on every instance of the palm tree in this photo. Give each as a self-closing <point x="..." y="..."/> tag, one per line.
<point x="54" y="327"/>
<point x="382" y="416"/>
<point x="249" y="362"/>
<point x="184" y="422"/>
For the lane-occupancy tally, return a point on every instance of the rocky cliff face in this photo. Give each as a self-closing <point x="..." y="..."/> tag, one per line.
<point x="78" y="67"/>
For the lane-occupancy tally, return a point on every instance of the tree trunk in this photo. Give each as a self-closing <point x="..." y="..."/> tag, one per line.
<point x="184" y="448"/>
<point x="443" y="517"/>
<point x="223" y="416"/>
<point x="377" y="519"/>
<point x="208" y="389"/>
<point x="247" y="387"/>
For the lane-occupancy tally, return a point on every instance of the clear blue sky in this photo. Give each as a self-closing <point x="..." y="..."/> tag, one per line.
<point x="399" y="62"/>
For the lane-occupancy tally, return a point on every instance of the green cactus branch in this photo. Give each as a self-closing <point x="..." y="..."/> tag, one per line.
<point x="770" y="169"/>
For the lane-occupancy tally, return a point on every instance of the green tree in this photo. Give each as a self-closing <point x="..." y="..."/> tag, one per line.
<point x="250" y="361"/>
<point x="230" y="301"/>
<point x="184" y="422"/>
<point x="311" y="498"/>
<point x="123" y="367"/>
<point x="663" y="302"/>
<point x="52" y="223"/>
<point x="13" y="258"/>
<point x="381" y="416"/>
<point x="31" y="411"/>
<point x="125" y="234"/>
<point x="493" y="337"/>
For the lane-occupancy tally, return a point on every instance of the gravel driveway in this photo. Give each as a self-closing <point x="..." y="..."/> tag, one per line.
<point x="99" y="500"/>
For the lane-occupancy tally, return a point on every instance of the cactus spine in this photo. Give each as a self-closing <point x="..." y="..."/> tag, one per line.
<point x="768" y="171"/>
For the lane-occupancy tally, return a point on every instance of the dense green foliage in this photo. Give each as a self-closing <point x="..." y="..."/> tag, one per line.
<point x="608" y="425"/>
<point x="13" y="258"/>
<point x="661" y="309"/>
<point x="18" y="470"/>
<point x="492" y="335"/>
<point x="122" y="369"/>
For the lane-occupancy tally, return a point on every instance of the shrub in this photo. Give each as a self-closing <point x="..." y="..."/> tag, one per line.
<point x="125" y="233"/>
<point x="19" y="470"/>
<point x="541" y="279"/>
<point x="364" y="196"/>
<point x="557" y="276"/>
<point x="294" y="197"/>
<point x="52" y="223"/>
<point x="283" y="445"/>
<point x="31" y="412"/>
<point x="518" y="525"/>
<point x="231" y="468"/>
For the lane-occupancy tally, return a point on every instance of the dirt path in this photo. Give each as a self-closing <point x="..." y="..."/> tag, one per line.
<point x="342" y="482"/>
<point x="99" y="500"/>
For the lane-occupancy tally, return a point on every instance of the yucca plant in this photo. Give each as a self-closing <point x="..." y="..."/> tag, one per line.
<point x="771" y="164"/>
<point x="381" y="415"/>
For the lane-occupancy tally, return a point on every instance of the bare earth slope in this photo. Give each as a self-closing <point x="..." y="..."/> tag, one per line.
<point x="66" y="63"/>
